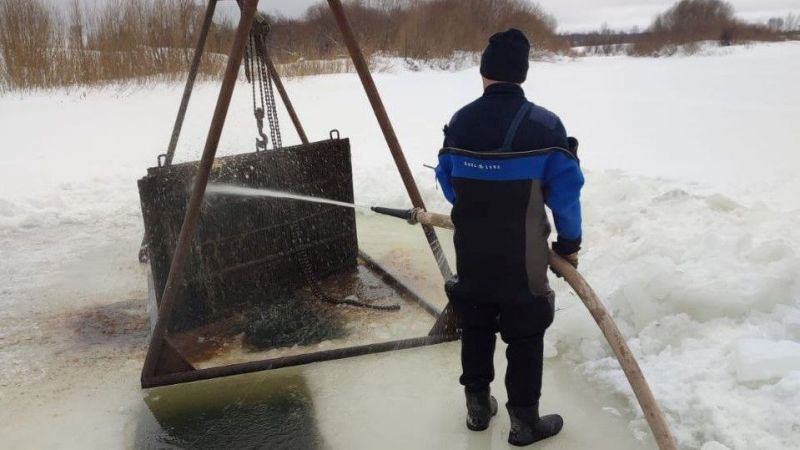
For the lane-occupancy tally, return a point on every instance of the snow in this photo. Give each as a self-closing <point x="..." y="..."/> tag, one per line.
<point x="713" y="445"/>
<point x="691" y="208"/>
<point x="765" y="360"/>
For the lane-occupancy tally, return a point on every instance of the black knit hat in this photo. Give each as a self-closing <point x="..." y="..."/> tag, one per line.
<point x="506" y="57"/>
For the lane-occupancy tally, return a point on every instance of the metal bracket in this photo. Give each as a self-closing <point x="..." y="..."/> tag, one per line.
<point x="332" y="133"/>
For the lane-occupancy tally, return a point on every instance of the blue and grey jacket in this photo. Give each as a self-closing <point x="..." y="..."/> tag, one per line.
<point x="503" y="160"/>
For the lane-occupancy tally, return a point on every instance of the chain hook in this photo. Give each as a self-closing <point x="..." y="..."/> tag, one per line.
<point x="261" y="143"/>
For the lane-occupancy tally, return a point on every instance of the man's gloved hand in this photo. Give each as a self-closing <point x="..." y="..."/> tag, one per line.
<point x="568" y="250"/>
<point x="572" y="258"/>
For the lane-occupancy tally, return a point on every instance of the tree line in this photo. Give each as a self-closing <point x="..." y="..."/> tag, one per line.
<point x="685" y="27"/>
<point x="141" y="40"/>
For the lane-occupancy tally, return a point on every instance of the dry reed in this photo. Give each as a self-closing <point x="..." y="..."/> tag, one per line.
<point x="132" y="40"/>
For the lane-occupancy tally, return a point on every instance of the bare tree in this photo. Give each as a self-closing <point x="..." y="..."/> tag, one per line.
<point x="689" y="22"/>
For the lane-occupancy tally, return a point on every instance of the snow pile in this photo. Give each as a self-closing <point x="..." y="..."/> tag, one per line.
<point x="761" y="360"/>
<point x="456" y="62"/>
<point x="707" y="291"/>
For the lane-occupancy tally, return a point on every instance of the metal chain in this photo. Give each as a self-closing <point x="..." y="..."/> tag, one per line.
<point x="248" y="68"/>
<point x="268" y="96"/>
<point x="250" y="71"/>
<point x="258" y="73"/>
<point x="304" y="261"/>
<point x="272" y="103"/>
<point x="273" y="114"/>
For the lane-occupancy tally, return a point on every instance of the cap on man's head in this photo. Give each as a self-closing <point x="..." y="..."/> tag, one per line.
<point x="506" y="57"/>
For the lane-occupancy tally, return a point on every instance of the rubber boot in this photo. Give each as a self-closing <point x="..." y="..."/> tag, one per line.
<point x="527" y="427"/>
<point x="481" y="407"/>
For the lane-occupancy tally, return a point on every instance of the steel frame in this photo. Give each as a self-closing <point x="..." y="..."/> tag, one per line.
<point x="163" y="365"/>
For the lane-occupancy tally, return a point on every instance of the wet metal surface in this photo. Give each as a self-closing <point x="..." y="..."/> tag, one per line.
<point x="244" y="251"/>
<point x="227" y="341"/>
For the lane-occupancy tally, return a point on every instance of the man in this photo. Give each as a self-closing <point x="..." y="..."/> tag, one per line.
<point x="503" y="160"/>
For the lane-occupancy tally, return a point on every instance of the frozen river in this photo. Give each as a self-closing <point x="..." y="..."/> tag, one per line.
<point x="691" y="209"/>
<point x="83" y="368"/>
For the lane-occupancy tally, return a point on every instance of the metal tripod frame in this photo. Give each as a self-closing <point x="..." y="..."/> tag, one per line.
<point x="163" y="365"/>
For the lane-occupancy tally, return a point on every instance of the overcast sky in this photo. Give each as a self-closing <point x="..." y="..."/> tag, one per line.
<point x="572" y="15"/>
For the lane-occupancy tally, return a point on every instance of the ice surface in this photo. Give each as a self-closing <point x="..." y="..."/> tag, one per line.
<point x="691" y="239"/>
<point x="764" y="360"/>
<point x="713" y="445"/>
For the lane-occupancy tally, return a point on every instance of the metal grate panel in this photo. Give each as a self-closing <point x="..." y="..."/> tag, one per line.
<point x="244" y="252"/>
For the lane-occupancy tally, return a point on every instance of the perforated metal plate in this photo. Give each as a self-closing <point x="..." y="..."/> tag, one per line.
<point x="245" y="249"/>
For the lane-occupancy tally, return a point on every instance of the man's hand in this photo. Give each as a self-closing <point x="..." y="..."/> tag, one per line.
<point x="567" y="249"/>
<point x="572" y="258"/>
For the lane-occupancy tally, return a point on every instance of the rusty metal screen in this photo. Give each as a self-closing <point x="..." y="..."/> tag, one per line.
<point x="246" y="249"/>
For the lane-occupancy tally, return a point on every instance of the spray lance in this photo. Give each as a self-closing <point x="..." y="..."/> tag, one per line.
<point x="655" y="418"/>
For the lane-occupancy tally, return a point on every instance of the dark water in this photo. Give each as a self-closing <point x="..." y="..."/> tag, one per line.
<point x="254" y="412"/>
